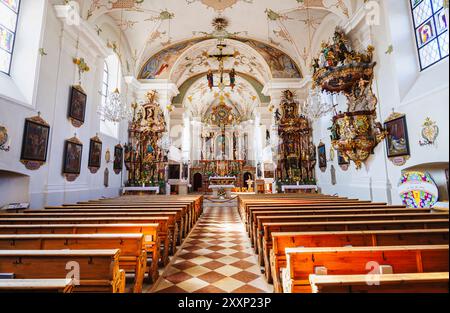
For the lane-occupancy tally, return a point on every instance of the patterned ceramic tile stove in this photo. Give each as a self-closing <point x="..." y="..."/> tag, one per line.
<point x="216" y="258"/>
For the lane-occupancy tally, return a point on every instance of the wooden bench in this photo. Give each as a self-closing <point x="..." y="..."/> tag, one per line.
<point x="332" y="218"/>
<point x="252" y="210"/>
<point x="182" y="221"/>
<point x="150" y="232"/>
<point x="255" y="227"/>
<point x="388" y="283"/>
<point x="185" y="218"/>
<point x="373" y="238"/>
<point x="133" y="257"/>
<point x="36" y="285"/>
<point x="301" y="262"/>
<point x="99" y="269"/>
<point x="161" y="221"/>
<point x="270" y="228"/>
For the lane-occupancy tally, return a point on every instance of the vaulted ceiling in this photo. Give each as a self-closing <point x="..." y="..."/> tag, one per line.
<point x="149" y="26"/>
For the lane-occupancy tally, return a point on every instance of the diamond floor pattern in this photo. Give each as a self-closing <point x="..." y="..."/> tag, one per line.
<point x="216" y="258"/>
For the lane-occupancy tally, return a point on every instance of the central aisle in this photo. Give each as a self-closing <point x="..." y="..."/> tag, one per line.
<point x="216" y="258"/>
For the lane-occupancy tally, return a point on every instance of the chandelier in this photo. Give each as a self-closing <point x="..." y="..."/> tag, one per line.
<point x="114" y="110"/>
<point x="318" y="104"/>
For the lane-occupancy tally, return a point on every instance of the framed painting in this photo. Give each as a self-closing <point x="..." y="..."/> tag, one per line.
<point x="95" y="154"/>
<point x="397" y="141"/>
<point x="35" y="140"/>
<point x="73" y="152"/>
<point x="322" y="157"/>
<point x="77" y="106"/>
<point x="118" y="159"/>
<point x="342" y="160"/>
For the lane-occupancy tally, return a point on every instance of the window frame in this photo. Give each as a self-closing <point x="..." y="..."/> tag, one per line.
<point x="436" y="37"/>
<point x="105" y="83"/>
<point x="15" y="36"/>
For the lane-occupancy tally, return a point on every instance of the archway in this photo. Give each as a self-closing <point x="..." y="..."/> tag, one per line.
<point x="198" y="182"/>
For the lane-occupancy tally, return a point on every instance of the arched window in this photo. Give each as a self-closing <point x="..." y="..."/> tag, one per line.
<point x="431" y="29"/>
<point x="105" y="83"/>
<point x="9" y="13"/>
<point x="111" y="81"/>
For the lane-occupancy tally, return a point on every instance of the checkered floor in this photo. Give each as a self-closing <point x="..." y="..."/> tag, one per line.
<point x="216" y="258"/>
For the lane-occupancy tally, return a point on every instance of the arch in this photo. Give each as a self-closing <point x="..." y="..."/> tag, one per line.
<point x="277" y="62"/>
<point x="197" y="182"/>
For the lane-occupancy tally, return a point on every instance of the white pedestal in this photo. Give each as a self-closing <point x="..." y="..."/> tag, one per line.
<point x="148" y="190"/>
<point x="299" y="187"/>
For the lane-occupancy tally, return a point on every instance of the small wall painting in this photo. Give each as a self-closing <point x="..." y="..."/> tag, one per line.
<point x="73" y="152"/>
<point x="35" y="142"/>
<point x="77" y="106"/>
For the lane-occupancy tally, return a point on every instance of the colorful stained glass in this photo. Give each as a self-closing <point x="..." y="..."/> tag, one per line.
<point x="9" y="10"/>
<point x="431" y="26"/>
<point x="6" y="39"/>
<point x="441" y="21"/>
<point x="418" y="190"/>
<point x="12" y="4"/>
<point x="426" y="33"/>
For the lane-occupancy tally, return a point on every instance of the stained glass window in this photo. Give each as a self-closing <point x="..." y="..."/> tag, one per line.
<point x="431" y="28"/>
<point x="9" y="11"/>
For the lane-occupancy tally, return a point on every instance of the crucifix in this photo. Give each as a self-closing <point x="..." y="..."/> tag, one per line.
<point x="221" y="57"/>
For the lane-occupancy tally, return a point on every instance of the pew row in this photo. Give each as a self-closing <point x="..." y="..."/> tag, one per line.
<point x="387" y="283"/>
<point x="302" y="262"/>
<point x="36" y="285"/>
<point x="372" y="238"/>
<point x="99" y="270"/>
<point x="133" y="257"/>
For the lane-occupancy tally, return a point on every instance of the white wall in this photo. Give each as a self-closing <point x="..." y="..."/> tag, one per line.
<point x="400" y="86"/>
<point x="56" y="73"/>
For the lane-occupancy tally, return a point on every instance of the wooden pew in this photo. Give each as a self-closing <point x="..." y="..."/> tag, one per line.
<point x="150" y="232"/>
<point x="36" y="285"/>
<point x="182" y="222"/>
<point x="301" y="262"/>
<point x="99" y="269"/>
<point x="281" y="241"/>
<point x="331" y="218"/>
<point x="185" y="218"/>
<point x="255" y="227"/>
<point x="388" y="283"/>
<point x="244" y="210"/>
<point x="133" y="257"/>
<point x="323" y="207"/>
<point x="161" y="221"/>
<point x="270" y="228"/>
<point x="172" y="226"/>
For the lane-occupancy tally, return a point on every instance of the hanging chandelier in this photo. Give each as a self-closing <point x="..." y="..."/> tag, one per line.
<point x="317" y="105"/>
<point x="114" y="110"/>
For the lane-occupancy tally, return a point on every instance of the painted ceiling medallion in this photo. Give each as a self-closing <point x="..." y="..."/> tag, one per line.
<point x="219" y="5"/>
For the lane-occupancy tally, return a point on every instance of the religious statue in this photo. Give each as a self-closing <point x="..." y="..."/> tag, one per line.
<point x="210" y="77"/>
<point x="232" y="78"/>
